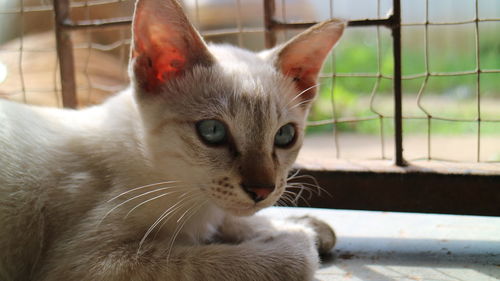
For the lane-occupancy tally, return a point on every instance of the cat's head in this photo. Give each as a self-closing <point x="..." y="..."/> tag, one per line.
<point x="224" y="121"/>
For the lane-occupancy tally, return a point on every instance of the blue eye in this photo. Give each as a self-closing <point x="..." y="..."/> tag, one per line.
<point x="212" y="131"/>
<point x="285" y="136"/>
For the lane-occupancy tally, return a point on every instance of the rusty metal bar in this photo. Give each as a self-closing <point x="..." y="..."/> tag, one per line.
<point x="478" y="82"/>
<point x="269" y="23"/>
<point x="127" y="21"/>
<point x="104" y="23"/>
<point x="398" y="104"/>
<point x="276" y="25"/>
<point x="369" y="22"/>
<point x="65" y="54"/>
<point x="450" y="22"/>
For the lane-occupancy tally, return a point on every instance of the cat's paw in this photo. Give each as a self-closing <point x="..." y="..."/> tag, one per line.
<point x="325" y="236"/>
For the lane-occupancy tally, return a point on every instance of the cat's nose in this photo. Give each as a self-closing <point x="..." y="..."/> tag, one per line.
<point x="258" y="192"/>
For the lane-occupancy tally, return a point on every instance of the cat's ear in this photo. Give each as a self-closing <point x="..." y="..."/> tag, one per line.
<point x="165" y="44"/>
<point x="302" y="57"/>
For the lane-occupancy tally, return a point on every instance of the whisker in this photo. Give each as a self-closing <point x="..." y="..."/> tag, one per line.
<point x="141" y="187"/>
<point x="302" y="188"/>
<point x="156" y="197"/>
<point x="318" y="188"/>
<point x="292" y="176"/>
<point x="300" y="103"/>
<point x="162" y="216"/>
<point x="135" y="197"/>
<point x="179" y="227"/>
<point x="287" y="199"/>
<point x="297" y="196"/>
<point x="277" y="203"/>
<point x="315" y="185"/>
<point x="306" y="200"/>
<point x="309" y="190"/>
<point x="174" y="211"/>
<point x="300" y="94"/>
<point x="307" y="177"/>
<point x="294" y="196"/>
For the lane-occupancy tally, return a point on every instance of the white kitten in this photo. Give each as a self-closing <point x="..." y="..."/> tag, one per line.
<point x="152" y="184"/>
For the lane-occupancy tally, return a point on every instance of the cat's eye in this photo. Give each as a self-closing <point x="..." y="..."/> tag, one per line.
<point x="212" y="132"/>
<point x="285" y="136"/>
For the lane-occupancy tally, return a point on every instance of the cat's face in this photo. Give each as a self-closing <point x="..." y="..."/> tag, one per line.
<point x="219" y="119"/>
<point x="230" y="129"/>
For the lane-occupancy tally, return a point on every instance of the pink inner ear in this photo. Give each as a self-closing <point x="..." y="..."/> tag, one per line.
<point x="165" y="44"/>
<point x="157" y="57"/>
<point x="158" y="63"/>
<point x="167" y="63"/>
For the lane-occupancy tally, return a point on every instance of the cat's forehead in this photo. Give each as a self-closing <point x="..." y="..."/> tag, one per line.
<point x="239" y="85"/>
<point x="240" y="98"/>
<point x="252" y="97"/>
<point x="240" y="60"/>
<point x="254" y="84"/>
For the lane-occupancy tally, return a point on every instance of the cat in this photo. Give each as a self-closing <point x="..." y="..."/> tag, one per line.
<point x="162" y="181"/>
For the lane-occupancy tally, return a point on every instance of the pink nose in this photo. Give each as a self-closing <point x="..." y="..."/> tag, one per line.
<point x="258" y="192"/>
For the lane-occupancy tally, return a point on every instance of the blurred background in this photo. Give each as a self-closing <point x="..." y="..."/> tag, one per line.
<point x="451" y="69"/>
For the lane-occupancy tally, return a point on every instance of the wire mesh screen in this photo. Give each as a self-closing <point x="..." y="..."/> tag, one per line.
<point x="27" y="40"/>
<point x="28" y="55"/>
<point x="457" y="78"/>
<point x="450" y="81"/>
<point x="450" y="67"/>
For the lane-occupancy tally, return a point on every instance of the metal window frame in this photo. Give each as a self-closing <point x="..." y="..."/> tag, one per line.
<point x="402" y="187"/>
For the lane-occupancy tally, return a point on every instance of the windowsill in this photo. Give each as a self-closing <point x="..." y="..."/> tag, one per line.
<point x="391" y="246"/>
<point x="356" y="150"/>
<point x="388" y="166"/>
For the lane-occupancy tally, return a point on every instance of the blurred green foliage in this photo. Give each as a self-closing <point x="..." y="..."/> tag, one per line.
<point x="444" y="96"/>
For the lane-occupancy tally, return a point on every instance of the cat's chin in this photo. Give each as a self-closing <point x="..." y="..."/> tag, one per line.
<point x="242" y="212"/>
<point x="245" y="211"/>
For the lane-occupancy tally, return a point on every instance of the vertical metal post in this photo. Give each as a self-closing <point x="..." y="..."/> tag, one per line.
<point x="65" y="54"/>
<point x="478" y="82"/>
<point x="269" y="12"/>
<point x="398" y="107"/>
